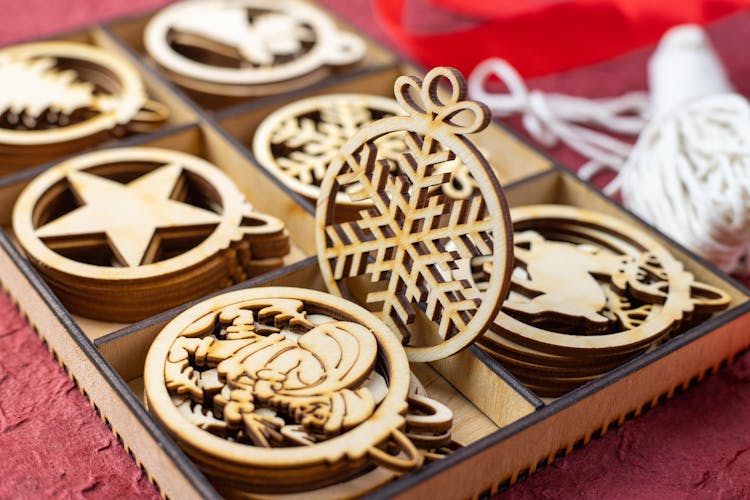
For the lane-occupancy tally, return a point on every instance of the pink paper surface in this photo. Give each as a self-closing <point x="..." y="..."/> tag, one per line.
<point x="54" y="445"/>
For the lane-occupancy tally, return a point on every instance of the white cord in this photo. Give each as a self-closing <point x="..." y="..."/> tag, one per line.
<point x="689" y="172"/>
<point x="689" y="175"/>
<point x="552" y="117"/>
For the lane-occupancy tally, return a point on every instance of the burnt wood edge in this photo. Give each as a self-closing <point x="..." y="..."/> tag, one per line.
<point x="112" y="378"/>
<point x="172" y="313"/>
<point x="29" y="173"/>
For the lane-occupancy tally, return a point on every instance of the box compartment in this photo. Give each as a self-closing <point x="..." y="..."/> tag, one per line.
<point x="204" y="141"/>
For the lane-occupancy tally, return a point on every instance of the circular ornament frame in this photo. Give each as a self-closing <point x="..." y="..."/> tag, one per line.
<point x="419" y="220"/>
<point x="233" y="207"/>
<point x="326" y="462"/>
<point x="670" y="308"/>
<point x="130" y="97"/>
<point x="262" y="139"/>
<point x="125" y="233"/>
<point x="332" y="47"/>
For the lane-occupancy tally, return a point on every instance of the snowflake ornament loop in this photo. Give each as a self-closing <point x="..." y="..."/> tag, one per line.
<point x="409" y="237"/>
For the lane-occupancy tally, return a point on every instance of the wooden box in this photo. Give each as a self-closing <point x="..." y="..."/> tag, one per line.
<point x="507" y="430"/>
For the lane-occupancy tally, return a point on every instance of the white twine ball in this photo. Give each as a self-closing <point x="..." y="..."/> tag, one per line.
<point x="689" y="172"/>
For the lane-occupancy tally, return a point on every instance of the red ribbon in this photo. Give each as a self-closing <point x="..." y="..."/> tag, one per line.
<point x="542" y="36"/>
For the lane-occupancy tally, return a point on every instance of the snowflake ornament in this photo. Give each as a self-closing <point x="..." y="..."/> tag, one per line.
<point x="409" y="238"/>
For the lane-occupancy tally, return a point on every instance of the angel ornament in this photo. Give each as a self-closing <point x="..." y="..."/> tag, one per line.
<point x="248" y="47"/>
<point x="264" y="386"/>
<point x="60" y="97"/>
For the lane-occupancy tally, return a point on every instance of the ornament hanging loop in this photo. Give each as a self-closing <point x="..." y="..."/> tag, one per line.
<point x="420" y="97"/>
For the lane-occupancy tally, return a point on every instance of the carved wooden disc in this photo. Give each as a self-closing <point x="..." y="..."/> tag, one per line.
<point x="589" y="292"/>
<point x="141" y="230"/>
<point x="588" y="284"/>
<point x="58" y="92"/>
<point x="281" y="389"/>
<point x="238" y="47"/>
<point x="407" y="244"/>
<point x="297" y="142"/>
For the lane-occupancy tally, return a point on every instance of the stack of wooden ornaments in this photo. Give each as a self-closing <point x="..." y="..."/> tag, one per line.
<point x="276" y="390"/>
<point x="588" y="293"/>
<point x="248" y="47"/>
<point x="62" y="97"/>
<point x="124" y="233"/>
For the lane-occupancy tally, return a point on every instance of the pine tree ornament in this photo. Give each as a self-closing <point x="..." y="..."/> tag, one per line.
<point x="61" y="97"/>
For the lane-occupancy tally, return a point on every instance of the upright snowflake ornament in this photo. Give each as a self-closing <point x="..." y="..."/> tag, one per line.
<point x="410" y="238"/>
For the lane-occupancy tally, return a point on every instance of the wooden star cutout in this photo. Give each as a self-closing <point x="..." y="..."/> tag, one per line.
<point x="128" y="216"/>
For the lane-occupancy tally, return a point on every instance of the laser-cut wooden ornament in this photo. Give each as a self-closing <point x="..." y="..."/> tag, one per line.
<point x="248" y="47"/>
<point x="282" y="389"/>
<point x="588" y="292"/>
<point x="297" y="142"/>
<point x="428" y="421"/>
<point x="124" y="233"/>
<point x="428" y="426"/>
<point x="60" y="97"/>
<point x="413" y="236"/>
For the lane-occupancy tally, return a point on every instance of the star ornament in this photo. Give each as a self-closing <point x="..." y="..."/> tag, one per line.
<point x="120" y="250"/>
<point x="133" y="219"/>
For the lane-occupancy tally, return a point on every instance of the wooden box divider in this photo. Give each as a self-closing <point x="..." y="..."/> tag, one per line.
<point x="509" y="156"/>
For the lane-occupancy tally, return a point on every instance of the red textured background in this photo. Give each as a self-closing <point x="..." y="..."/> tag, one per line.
<point x="52" y="444"/>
